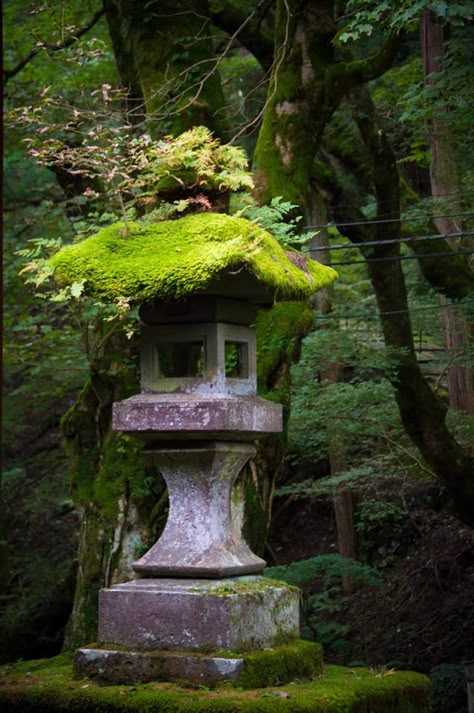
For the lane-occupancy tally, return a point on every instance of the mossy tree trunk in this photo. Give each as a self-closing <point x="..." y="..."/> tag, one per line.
<point x="165" y="55"/>
<point x="113" y="487"/>
<point x="306" y="86"/>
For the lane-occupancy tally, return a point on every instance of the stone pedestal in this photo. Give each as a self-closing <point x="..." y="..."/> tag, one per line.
<point x="238" y="614"/>
<point x="200" y="538"/>
<point x="193" y="629"/>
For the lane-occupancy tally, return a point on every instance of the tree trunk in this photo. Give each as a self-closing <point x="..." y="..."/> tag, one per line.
<point x="445" y="186"/>
<point x="306" y="87"/>
<point x="111" y="486"/>
<point x="333" y="372"/>
<point x="164" y="53"/>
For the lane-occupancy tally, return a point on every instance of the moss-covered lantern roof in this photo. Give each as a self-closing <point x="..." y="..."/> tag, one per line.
<point x="206" y="253"/>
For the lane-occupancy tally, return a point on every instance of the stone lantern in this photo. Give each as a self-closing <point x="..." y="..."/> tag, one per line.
<point x="196" y="592"/>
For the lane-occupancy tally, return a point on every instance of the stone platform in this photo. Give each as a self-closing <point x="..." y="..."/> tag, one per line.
<point x="300" y="660"/>
<point x="196" y="630"/>
<point x="236" y="614"/>
<point x="47" y="686"/>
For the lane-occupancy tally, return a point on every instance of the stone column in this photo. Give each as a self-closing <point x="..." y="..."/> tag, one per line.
<point x="200" y="538"/>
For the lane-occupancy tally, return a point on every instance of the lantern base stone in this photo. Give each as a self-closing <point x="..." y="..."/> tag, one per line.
<point x="300" y="660"/>
<point x="235" y="614"/>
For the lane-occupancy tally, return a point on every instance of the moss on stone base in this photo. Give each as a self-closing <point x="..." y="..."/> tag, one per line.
<point x="47" y="686"/>
<point x="299" y="660"/>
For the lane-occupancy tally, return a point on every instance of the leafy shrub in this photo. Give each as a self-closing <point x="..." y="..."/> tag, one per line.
<point x="320" y="580"/>
<point x="448" y="693"/>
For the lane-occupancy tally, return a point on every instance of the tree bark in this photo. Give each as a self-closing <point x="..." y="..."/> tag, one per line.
<point x="446" y="187"/>
<point x="333" y="372"/>
<point x="165" y="55"/>
<point x="306" y="87"/>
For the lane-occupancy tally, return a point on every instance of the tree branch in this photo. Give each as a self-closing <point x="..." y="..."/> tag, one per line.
<point x="9" y="73"/>
<point x="449" y="274"/>
<point x="346" y="75"/>
<point x="251" y="36"/>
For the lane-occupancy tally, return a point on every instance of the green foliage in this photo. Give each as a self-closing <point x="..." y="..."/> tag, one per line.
<point x="320" y="579"/>
<point x="31" y="25"/>
<point x="381" y="525"/>
<point x="193" y="161"/>
<point x="367" y="16"/>
<point x="326" y="568"/>
<point x="280" y="220"/>
<point x="353" y="415"/>
<point x="448" y="693"/>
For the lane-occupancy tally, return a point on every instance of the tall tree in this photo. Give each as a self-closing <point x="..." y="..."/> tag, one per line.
<point x="445" y="187"/>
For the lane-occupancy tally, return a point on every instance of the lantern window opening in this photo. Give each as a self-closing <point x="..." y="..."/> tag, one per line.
<point x="181" y="359"/>
<point x="236" y="357"/>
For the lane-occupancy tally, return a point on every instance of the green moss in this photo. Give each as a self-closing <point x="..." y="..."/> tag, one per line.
<point x="279" y="334"/>
<point x="47" y="686"/>
<point x="174" y="259"/>
<point x="299" y="660"/>
<point x="248" y="585"/>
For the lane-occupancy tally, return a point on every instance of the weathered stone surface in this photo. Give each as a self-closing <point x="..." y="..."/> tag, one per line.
<point x="469" y="673"/>
<point x="184" y="416"/>
<point x="124" y="667"/>
<point x="199" y="308"/>
<point x="240" y="614"/>
<point x="200" y="537"/>
<point x="282" y="664"/>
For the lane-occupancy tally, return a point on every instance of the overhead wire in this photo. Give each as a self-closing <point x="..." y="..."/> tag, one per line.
<point x="375" y="315"/>
<point x="388" y="220"/>
<point x="403" y="257"/>
<point x="370" y="243"/>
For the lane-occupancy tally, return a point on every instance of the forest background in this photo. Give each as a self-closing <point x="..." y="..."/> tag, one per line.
<point x="356" y="119"/>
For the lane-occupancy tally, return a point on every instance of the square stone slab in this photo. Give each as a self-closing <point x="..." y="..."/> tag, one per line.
<point x="236" y="614"/>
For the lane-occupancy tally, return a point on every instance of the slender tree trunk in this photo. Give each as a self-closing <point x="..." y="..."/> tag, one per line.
<point x="332" y="373"/>
<point x="445" y="186"/>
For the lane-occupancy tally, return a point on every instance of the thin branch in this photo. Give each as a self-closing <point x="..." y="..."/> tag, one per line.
<point x="9" y="73"/>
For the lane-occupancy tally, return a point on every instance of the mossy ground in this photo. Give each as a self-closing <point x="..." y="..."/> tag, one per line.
<point x="173" y="259"/>
<point x="47" y="686"/>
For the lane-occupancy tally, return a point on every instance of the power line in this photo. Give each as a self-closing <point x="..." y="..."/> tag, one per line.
<point x="388" y="220"/>
<point x="402" y="257"/>
<point x="374" y="315"/>
<point x="369" y="243"/>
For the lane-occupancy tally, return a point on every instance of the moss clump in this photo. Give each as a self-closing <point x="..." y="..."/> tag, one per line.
<point x="248" y="585"/>
<point x="173" y="259"/>
<point x="298" y="660"/>
<point x="47" y="686"/>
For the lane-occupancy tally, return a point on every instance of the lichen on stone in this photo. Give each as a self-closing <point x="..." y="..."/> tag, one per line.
<point x="173" y="259"/>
